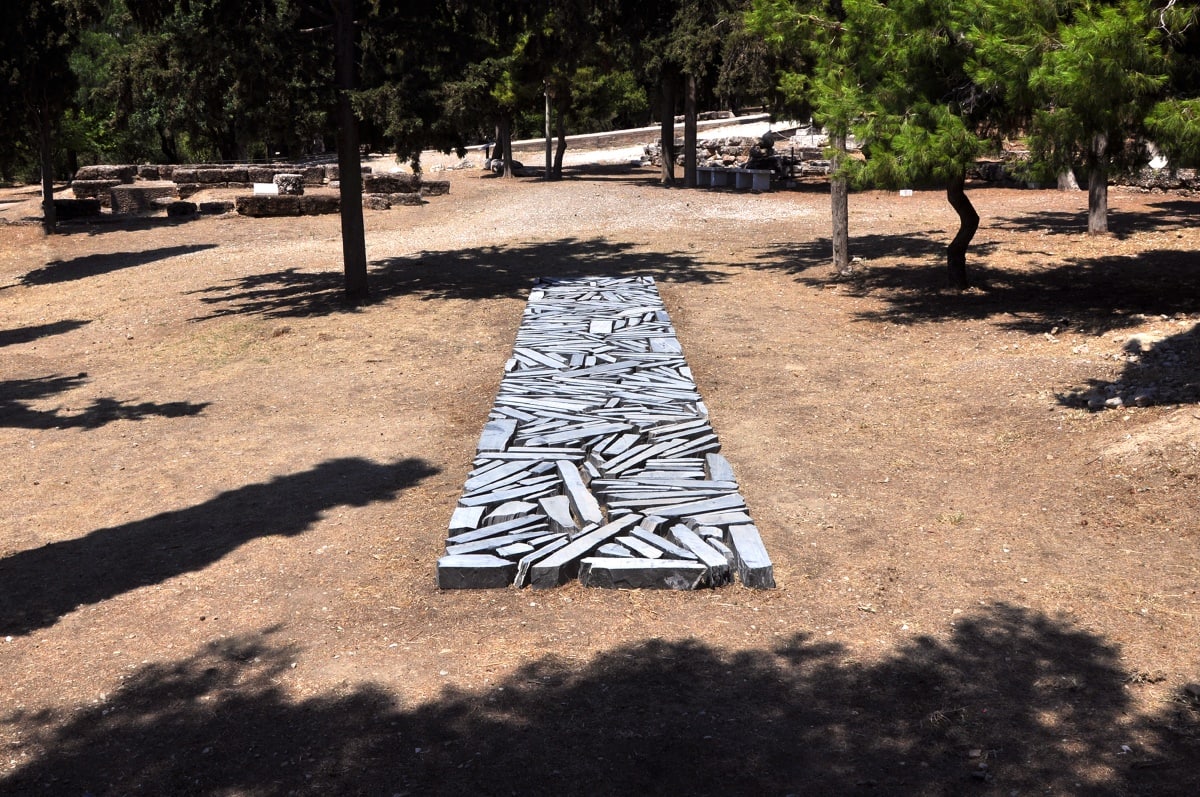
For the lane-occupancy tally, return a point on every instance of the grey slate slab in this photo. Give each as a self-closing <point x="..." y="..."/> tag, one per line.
<point x="726" y="502"/>
<point x="558" y="513"/>
<point x="563" y="564"/>
<point x="717" y="519"/>
<point x="662" y="543"/>
<point x="531" y="490"/>
<point x="724" y="550"/>
<point x="528" y="559"/>
<point x="754" y="566"/>
<point x="641" y="547"/>
<point x="621" y="573"/>
<point x="491" y="544"/>
<point x="496" y="434"/>
<point x="474" y="571"/>
<point x="718" y="468"/>
<point x="509" y="510"/>
<point x="523" y="523"/>
<point x="495" y="477"/>
<point x="465" y="518"/>
<point x="583" y="503"/>
<point x="614" y="549"/>
<point x="718" y="568"/>
<point x="515" y="549"/>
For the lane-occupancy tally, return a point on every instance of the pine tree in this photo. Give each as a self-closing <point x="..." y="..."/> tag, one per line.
<point x="36" y="41"/>
<point x="1174" y="122"/>
<point x="1096" y="83"/>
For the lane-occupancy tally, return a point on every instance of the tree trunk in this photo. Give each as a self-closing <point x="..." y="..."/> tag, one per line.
<point x="504" y="144"/>
<point x="170" y="149"/>
<point x="839" y="198"/>
<point x="1067" y="181"/>
<point x="968" y="223"/>
<point x="46" y="156"/>
<point x="561" y="131"/>
<point x="1098" y="186"/>
<point x="689" y="132"/>
<point x="549" y="153"/>
<point x="354" y="238"/>
<point x="667" y="134"/>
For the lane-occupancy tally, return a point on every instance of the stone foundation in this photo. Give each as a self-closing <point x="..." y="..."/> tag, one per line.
<point x="139" y="200"/>
<point x="265" y="205"/>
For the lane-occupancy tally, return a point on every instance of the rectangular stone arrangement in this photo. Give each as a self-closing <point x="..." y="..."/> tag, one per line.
<point x="597" y="461"/>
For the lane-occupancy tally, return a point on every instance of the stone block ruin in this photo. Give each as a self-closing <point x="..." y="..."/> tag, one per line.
<point x="128" y="190"/>
<point x="598" y="461"/>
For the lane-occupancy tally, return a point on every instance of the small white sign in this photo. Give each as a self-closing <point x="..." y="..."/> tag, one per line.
<point x="905" y="192"/>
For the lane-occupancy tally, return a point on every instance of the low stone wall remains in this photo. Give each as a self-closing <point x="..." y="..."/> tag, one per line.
<point x="138" y="190"/>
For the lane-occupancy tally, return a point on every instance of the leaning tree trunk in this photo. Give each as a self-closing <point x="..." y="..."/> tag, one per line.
<point x="354" y="239"/>
<point x="689" y="132"/>
<point x="667" y="133"/>
<point x="549" y="152"/>
<point x="968" y="223"/>
<point x="46" y="156"/>
<point x="839" y="200"/>
<point x="560" y="127"/>
<point x="1098" y="186"/>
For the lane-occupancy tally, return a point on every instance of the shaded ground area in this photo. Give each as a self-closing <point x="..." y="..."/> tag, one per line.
<point x="226" y="492"/>
<point x="651" y="717"/>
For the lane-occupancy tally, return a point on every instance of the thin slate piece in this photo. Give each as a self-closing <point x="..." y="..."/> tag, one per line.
<point x="622" y="573"/>
<point x="718" y="568"/>
<point x="474" y="571"/>
<point x="496" y="434"/>
<point x="563" y="564"/>
<point x="754" y="566"/>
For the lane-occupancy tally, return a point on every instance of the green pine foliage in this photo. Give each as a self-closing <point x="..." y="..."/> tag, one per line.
<point x="1097" y="82"/>
<point x="1174" y="121"/>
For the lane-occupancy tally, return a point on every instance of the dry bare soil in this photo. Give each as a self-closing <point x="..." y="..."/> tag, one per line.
<point x="224" y="493"/>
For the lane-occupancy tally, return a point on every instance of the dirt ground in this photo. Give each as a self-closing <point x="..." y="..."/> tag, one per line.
<point x="225" y="493"/>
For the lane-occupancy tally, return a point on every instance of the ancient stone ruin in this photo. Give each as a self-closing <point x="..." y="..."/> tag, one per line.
<point x="598" y="461"/>
<point x="141" y="190"/>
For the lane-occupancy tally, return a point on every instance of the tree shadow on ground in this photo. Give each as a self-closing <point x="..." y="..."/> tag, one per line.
<point x="78" y="268"/>
<point x="16" y="412"/>
<point x="925" y="250"/>
<point x="40" y="585"/>
<point x="1088" y="295"/>
<point x="488" y="272"/>
<point x="631" y="172"/>
<point x="1014" y="702"/>
<point x="12" y="337"/>
<point x="109" y="222"/>
<point x="1171" y="215"/>
<point x="1158" y="371"/>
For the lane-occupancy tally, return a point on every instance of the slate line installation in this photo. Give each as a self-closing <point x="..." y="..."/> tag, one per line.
<point x="598" y="461"/>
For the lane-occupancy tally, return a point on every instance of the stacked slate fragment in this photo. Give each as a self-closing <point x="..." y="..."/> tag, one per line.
<point x="598" y="461"/>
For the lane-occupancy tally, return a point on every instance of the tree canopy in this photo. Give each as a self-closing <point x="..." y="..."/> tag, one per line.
<point x="925" y="86"/>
